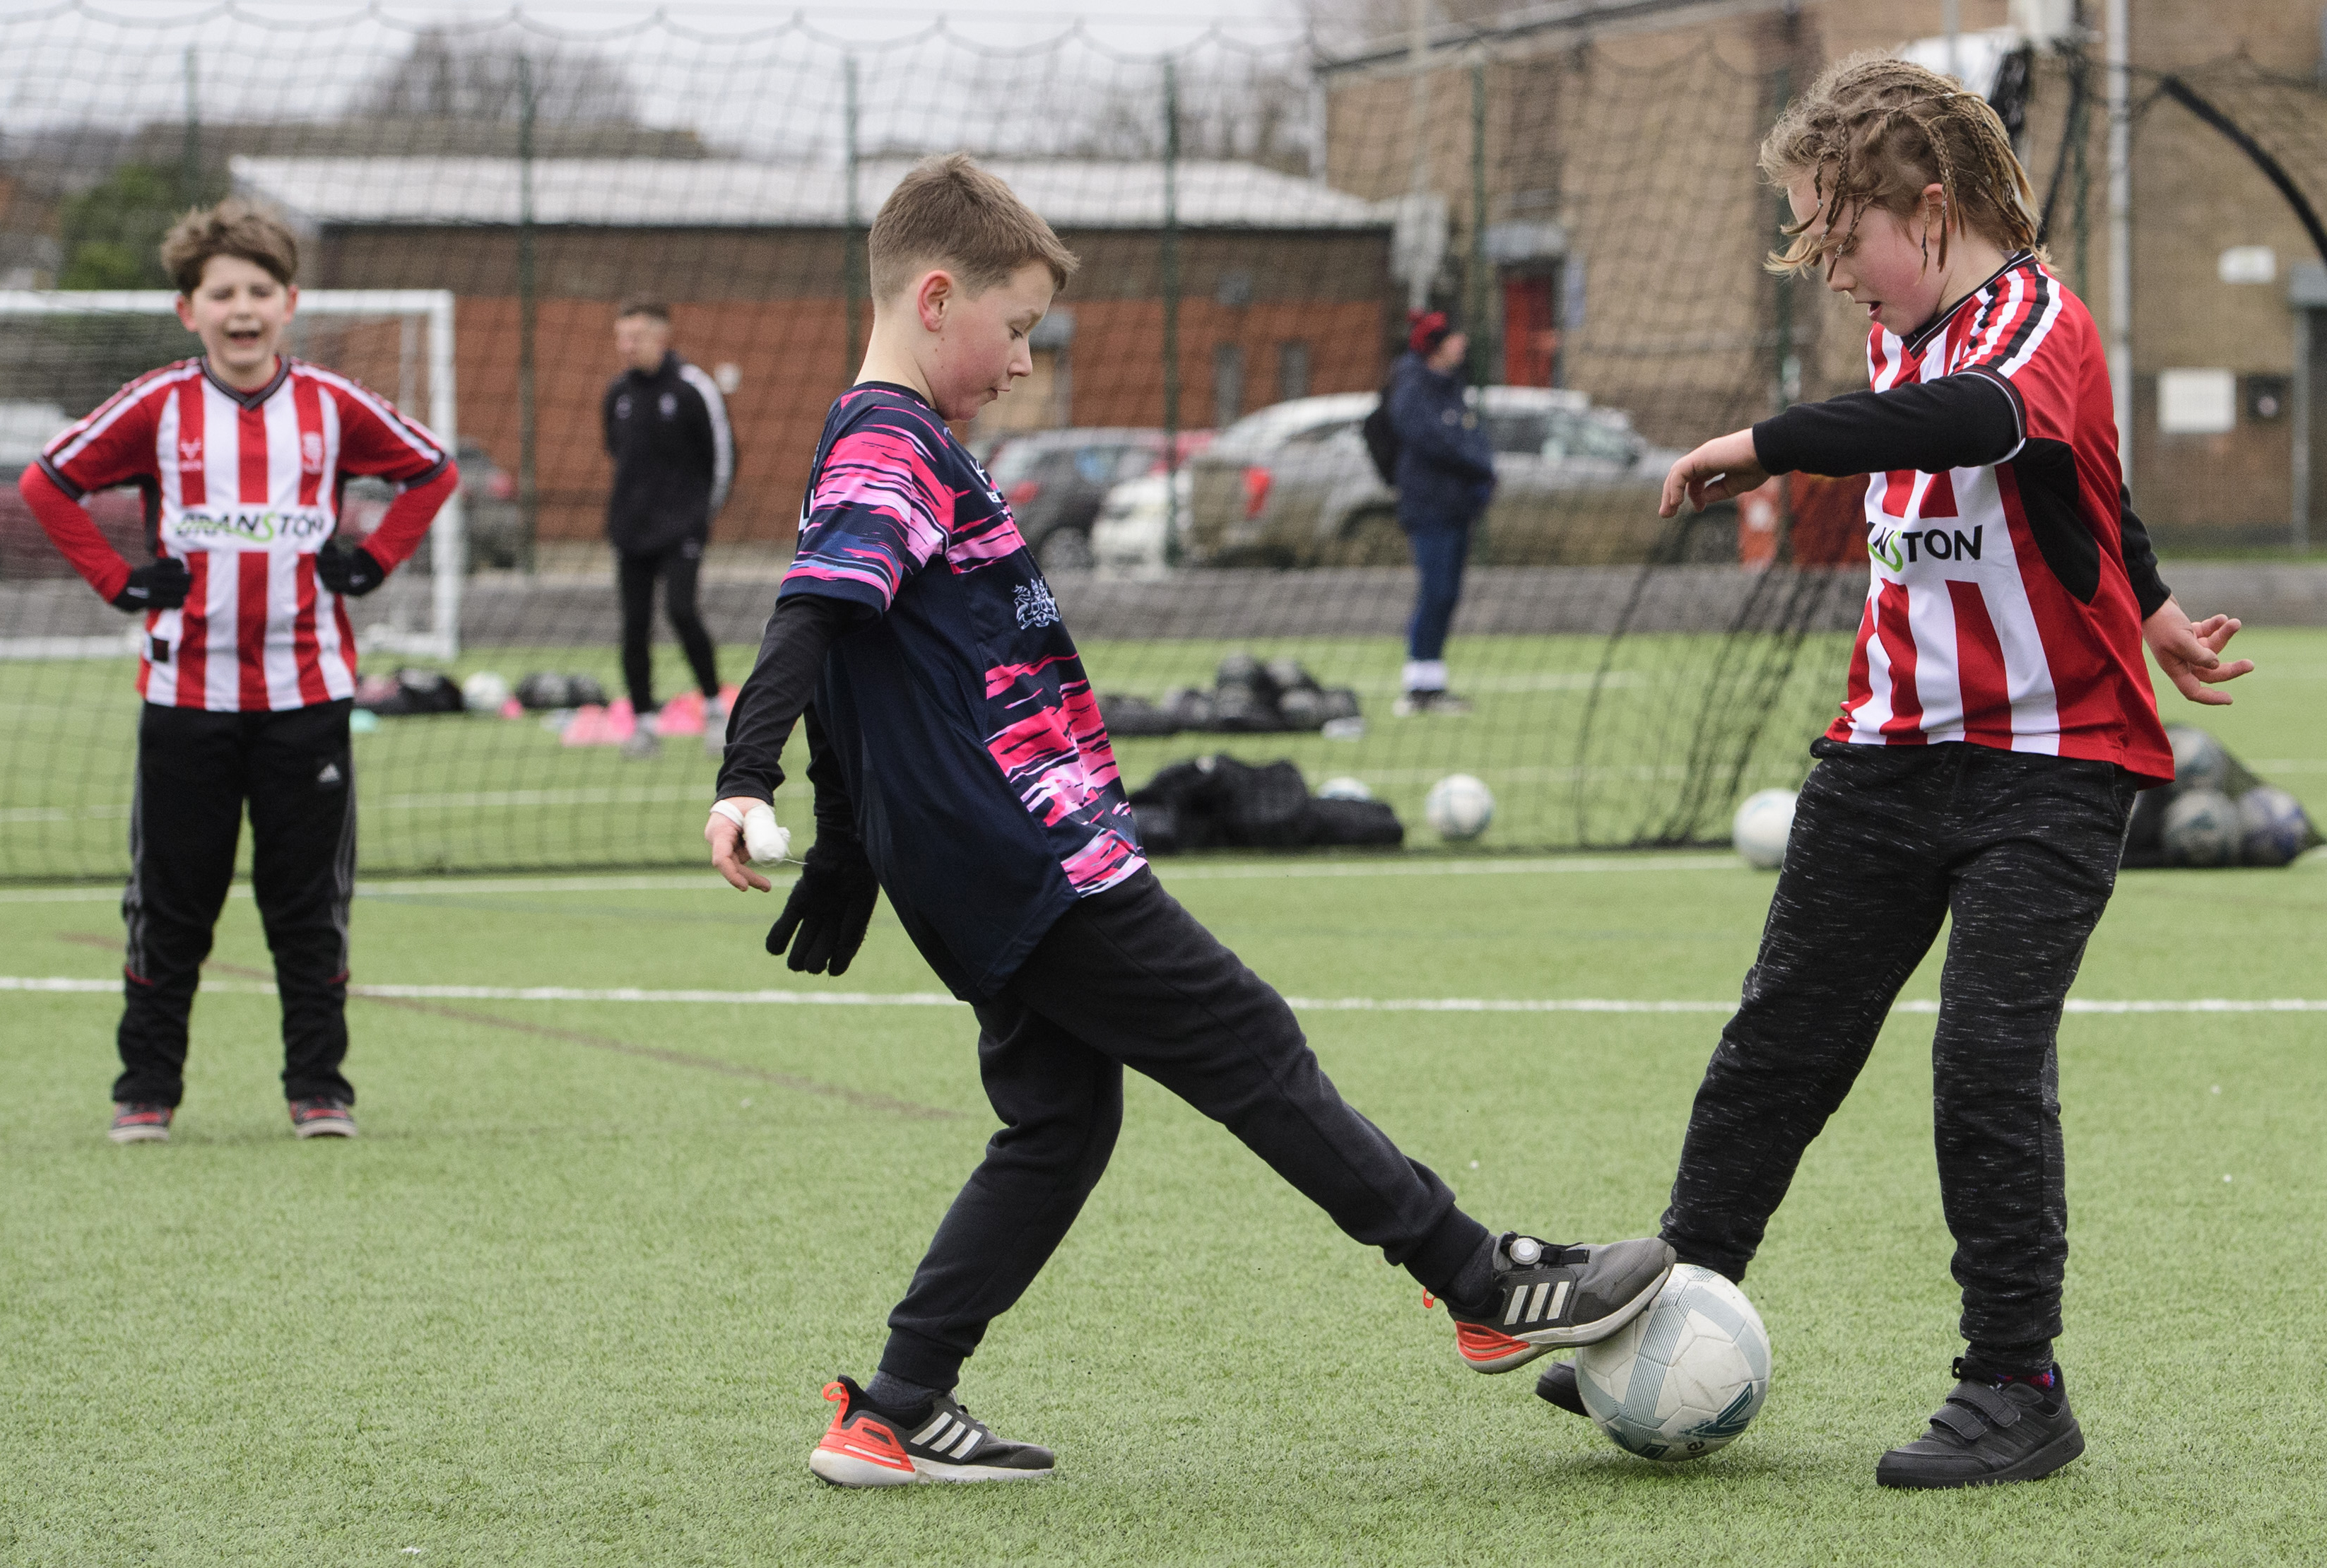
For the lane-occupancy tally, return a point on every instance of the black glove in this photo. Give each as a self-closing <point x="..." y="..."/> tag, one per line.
<point x="829" y="908"/>
<point x="158" y="584"/>
<point x="354" y="572"/>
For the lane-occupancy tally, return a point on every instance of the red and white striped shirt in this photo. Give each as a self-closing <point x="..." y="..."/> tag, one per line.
<point x="244" y="488"/>
<point x="2000" y="611"/>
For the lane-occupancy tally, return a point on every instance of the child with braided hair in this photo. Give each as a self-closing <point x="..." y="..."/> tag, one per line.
<point x="1998" y="722"/>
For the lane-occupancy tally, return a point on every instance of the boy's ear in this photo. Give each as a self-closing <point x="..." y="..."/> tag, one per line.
<point x="932" y="294"/>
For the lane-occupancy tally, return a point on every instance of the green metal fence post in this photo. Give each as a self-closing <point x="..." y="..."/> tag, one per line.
<point x="1171" y="267"/>
<point x="528" y="491"/>
<point x="1481" y="336"/>
<point x="854" y="284"/>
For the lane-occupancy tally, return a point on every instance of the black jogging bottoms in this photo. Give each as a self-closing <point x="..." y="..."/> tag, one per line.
<point x="196" y="771"/>
<point x="677" y="565"/>
<point x="2022" y="851"/>
<point x="1128" y="978"/>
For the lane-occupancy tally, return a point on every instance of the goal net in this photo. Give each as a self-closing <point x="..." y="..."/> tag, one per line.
<point x="1254" y="218"/>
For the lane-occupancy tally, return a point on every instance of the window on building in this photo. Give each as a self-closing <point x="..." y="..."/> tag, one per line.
<point x="1291" y="369"/>
<point x="1227" y="384"/>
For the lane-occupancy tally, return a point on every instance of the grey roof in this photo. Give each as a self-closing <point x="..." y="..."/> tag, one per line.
<point x="717" y="193"/>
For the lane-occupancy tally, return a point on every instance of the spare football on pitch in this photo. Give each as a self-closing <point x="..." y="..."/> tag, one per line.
<point x="1759" y="830"/>
<point x="1683" y="1378"/>
<point x="2199" y="762"/>
<point x="2272" y="828"/>
<point x="2200" y="828"/>
<point x="1459" y="808"/>
<point x="484" y="692"/>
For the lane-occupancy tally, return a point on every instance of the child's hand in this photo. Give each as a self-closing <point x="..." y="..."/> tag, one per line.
<point x="724" y="834"/>
<point x="2189" y="652"/>
<point x="1726" y="466"/>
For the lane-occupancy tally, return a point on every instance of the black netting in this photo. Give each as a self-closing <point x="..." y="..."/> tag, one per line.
<point x="1186" y="461"/>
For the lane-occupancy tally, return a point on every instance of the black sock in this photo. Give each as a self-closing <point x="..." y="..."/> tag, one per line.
<point x="2031" y="1363"/>
<point x="892" y="1396"/>
<point x="1471" y="1291"/>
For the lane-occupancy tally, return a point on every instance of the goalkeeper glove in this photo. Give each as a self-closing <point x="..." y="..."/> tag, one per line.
<point x="160" y="584"/>
<point x="824" y="919"/>
<point x="354" y="572"/>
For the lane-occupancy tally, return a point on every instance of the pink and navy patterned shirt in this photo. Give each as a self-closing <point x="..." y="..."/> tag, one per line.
<point x="985" y="791"/>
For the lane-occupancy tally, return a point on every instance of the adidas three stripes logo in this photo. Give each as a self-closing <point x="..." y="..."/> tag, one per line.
<point x="1535" y="1303"/>
<point x="949" y="1434"/>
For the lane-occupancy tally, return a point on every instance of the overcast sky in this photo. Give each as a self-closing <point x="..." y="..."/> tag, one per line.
<point x="1129" y="24"/>
<point x="132" y="61"/>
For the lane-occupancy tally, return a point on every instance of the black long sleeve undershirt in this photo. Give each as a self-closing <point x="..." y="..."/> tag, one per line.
<point x="1967" y="420"/>
<point x="778" y="691"/>
<point x="2140" y="557"/>
<point x="1963" y="421"/>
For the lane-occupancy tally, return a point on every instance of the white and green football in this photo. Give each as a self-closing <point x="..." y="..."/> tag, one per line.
<point x="1684" y="1377"/>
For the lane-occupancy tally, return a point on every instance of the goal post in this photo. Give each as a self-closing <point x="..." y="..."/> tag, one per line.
<point x="424" y="369"/>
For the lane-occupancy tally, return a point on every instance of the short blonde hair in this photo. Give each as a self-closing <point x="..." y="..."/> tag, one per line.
<point x="948" y="212"/>
<point x="1873" y="132"/>
<point x="235" y="227"/>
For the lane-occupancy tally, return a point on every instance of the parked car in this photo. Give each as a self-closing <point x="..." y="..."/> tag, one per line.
<point x="1291" y="485"/>
<point x="494" y="524"/>
<point x="1055" y="480"/>
<point x="1134" y="534"/>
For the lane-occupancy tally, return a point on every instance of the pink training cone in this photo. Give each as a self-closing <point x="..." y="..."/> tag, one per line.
<point x="596" y="726"/>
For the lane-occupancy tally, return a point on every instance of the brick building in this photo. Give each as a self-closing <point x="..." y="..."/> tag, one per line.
<point x="1589" y="171"/>
<point x="1281" y="290"/>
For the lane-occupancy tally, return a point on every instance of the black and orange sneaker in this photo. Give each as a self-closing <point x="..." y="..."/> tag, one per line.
<point x="1546" y="1295"/>
<point x="866" y="1447"/>
<point x="322" y="1119"/>
<point x="140" y="1121"/>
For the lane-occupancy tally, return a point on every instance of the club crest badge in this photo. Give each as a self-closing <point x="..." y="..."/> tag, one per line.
<point x="1034" y="605"/>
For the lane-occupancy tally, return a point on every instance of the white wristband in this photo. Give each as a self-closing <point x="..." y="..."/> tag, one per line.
<point x="728" y="809"/>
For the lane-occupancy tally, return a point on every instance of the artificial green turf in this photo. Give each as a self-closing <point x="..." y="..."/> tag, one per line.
<point x="560" y="1305"/>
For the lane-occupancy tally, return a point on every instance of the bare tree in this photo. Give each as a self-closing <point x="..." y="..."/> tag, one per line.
<point x="480" y="77"/>
<point x="1249" y="108"/>
<point x="1346" y="27"/>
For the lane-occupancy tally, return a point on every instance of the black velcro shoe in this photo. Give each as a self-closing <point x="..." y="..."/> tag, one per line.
<point x="1557" y="1385"/>
<point x="1547" y="1295"/>
<point x="865" y="1446"/>
<point x="1989" y="1432"/>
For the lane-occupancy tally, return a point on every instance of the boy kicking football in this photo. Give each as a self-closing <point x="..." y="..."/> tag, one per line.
<point x="1998" y="723"/>
<point x="959" y="765"/>
<point x="248" y="664"/>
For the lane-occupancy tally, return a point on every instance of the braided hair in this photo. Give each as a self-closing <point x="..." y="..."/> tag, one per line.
<point x="1873" y="132"/>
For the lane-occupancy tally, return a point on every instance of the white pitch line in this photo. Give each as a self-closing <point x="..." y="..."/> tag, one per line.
<point x="705" y="882"/>
<point x="631" y="994"/>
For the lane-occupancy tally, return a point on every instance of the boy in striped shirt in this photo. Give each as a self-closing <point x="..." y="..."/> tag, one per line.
<point x="248" y="664"/>
<point x="1998" y="723"/>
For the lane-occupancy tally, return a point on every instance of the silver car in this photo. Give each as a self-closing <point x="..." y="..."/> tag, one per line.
<point x="1292" y="485"/>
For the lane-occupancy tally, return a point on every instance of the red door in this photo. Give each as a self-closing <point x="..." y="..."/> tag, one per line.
<point x="1530" y="330"/>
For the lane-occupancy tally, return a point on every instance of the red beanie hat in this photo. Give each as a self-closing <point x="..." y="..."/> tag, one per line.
<point x="1425" y="329"/>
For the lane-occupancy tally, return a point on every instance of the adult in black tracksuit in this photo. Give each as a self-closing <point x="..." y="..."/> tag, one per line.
<point x="1445" y="478"/>
<point x="674" y="456"/>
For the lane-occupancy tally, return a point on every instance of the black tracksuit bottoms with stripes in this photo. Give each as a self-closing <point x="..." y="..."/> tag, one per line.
<point x="1128" y="978"/>
<point x="196" y="771"/>
<point x="2022" y="851"/>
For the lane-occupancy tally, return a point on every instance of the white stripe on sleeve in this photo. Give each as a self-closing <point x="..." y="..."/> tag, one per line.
<point x="723" y="435"/>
